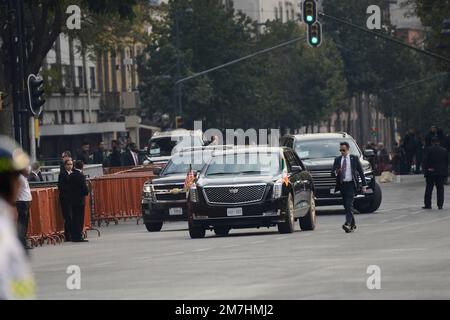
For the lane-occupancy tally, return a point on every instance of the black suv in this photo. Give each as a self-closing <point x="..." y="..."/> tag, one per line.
<point x="164" y="197"/>
<point x="318" y="151"/>
<point x="251" y="187"/>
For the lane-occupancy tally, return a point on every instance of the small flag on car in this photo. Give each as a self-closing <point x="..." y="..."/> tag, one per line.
<point x="189" y="178"/>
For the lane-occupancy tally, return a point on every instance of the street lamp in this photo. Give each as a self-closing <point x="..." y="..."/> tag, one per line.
<point x="177" y="99"/>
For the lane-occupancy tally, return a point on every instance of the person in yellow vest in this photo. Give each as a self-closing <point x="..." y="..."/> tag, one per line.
<point x="16" y="278"/>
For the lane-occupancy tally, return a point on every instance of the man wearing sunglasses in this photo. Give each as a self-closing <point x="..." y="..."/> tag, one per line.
<point x="346" y="169"/>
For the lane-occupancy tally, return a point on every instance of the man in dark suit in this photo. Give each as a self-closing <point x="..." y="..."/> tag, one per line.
<point x="436" y="171"/>
<point x="131" y="157"/>
<point x="64" y="197"/>
<point x="115" y="158"/>
<point x="35" y="174"/>
<point x="347" y="168"/>
<point x="78" y="192"/>
<point x="84" y="153"/>
<point x="100" y="154"/>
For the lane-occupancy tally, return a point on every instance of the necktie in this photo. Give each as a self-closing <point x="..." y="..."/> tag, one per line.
<point x="344" y="169"/>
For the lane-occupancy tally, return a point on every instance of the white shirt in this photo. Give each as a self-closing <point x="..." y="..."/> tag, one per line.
<point x="24" y="189"/>
<point x="348" y="172"/>
<point x="135" y="157"/>
<point x="16" y="279"/>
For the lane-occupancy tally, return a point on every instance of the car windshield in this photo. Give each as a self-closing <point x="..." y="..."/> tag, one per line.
<point x="166" y="146"/>
<point x="327" y="148"/>
<point x="180" y="163"/>
<point x="245" y="164"/>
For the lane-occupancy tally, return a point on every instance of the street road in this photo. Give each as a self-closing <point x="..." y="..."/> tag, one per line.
<point x="410" y="246"/>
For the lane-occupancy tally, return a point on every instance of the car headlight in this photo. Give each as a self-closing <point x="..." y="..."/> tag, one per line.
<point x="147" y="191"/>
<point x="193" y="193"/>
<point x="277" y="189"/>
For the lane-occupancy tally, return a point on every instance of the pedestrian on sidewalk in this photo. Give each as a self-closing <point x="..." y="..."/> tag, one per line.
<point x="16" y="278"/>
<point x="347" y="168"/>
<point x="23" y="207"/>
<point x="435" y="169"/>
<point x="64" y="197"/>
<point x="78" y="191"/>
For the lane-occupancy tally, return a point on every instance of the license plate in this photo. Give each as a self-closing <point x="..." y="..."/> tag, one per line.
<point x="331" y="191"/>
<point x="233" y="212"/>
<point x="175" y="211"/>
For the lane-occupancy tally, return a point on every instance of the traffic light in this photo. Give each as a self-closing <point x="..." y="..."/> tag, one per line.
<point x="315" y="34"/>
<point x="178" y="122"/>
<point x="309" y="11"/>
<point x="35" y="94"/>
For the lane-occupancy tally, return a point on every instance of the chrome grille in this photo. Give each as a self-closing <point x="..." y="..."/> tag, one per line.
<point x="323" y="179"/>
<point x="169" y="193"/>
<point x="234" y="194"/>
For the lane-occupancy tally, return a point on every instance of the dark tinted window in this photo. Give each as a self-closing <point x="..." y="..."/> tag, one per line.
<point x="326" y="148"/>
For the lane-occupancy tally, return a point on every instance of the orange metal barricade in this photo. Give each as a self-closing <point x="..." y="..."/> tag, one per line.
<point x="46" y="223"/>
<point x="118" y="197"/>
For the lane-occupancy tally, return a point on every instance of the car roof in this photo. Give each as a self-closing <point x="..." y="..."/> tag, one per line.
<point x="176" y="133"/>
<point x="320" y="136"/>
<point x="249" y="149"/>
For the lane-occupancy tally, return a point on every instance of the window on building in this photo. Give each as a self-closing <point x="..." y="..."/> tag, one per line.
<point x="80" y="77"/>
<point x="92" y="77"/>
<point x="63" y="117"/>
<point x="280" y="9"/>
<point x="67" y="76"/>
<point x="292" y="14"/>
<point x="276" y="13"/>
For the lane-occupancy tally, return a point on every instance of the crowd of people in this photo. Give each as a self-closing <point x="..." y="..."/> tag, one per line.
<point x="407" y="156"/>
<point x="119" y="155"/>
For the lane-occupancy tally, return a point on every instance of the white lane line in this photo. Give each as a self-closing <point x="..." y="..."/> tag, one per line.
<point x="102" y="264"/>
<point x="230" y="246"/>
<point x="280" y="238"/>
<point x="201" y="250"/>
<point x="257" y="242"/>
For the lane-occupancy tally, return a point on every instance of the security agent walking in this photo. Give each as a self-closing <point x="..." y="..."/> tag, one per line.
<point x="347" y="168"/>
<point x="78" y="191"/>
<point x="435" y="171"/>
<point x="64" y="197"/>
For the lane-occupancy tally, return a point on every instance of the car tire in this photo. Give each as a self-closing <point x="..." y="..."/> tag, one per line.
<point x="308" y="222"/>
<point x="374" y="204"/>
<point x="196" y="232"/>
<point x="289" y="225"/>
<point x="154" y="226"/>
<point x="221" y="231"/>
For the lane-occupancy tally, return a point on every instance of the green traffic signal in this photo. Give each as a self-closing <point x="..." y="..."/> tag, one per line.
<point x="309" y="18"/>
<point x="315" y="34"/>
<point x="309" y="11"/>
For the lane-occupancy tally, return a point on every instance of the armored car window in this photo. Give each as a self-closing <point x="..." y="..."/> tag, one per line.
<point x="329" y="148"/>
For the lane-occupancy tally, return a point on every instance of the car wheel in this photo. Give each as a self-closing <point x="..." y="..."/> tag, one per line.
<point x="196" y="232"/>
<point x="289" y="225"/>
<point x="154" y="226"/>
<point x="308" y="222"/>
<point x="221" y="231"/>
<point x="374" y="204"/>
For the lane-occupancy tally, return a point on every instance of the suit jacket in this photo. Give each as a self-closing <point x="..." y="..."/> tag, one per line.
<point x="357" y="171"/>
<point x="33" y="177"/>
<point x="115" y="159"/>
<point x="78" y="188"/>
<point x="99" y="157"/>
<point x="128" y="159"/>
<point x="63" y="185"/>
<point x="436" y="159"/>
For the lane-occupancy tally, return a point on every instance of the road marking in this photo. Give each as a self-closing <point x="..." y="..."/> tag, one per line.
<point x="257" y="242"/>
<point x="102" y="264"/>
<point x="280" y="238"/>
<point x="230" y="246"/>
<point x="201" y="250"/>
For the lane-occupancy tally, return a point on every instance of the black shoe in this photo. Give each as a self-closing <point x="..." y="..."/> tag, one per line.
<point x="440" y="208"/>
<point x="353" y="227"/>
<point x="425" y="207"/>
<point x="80" y="240"/>
<point x="347" y="228"/>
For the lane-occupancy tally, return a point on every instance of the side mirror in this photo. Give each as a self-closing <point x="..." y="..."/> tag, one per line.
<point x="296" y="169"/>
<point x="369" y="153"/>
<point x="157" y="171"/>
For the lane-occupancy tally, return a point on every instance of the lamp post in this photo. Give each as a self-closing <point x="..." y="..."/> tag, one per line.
<point x="177" y="97"/>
